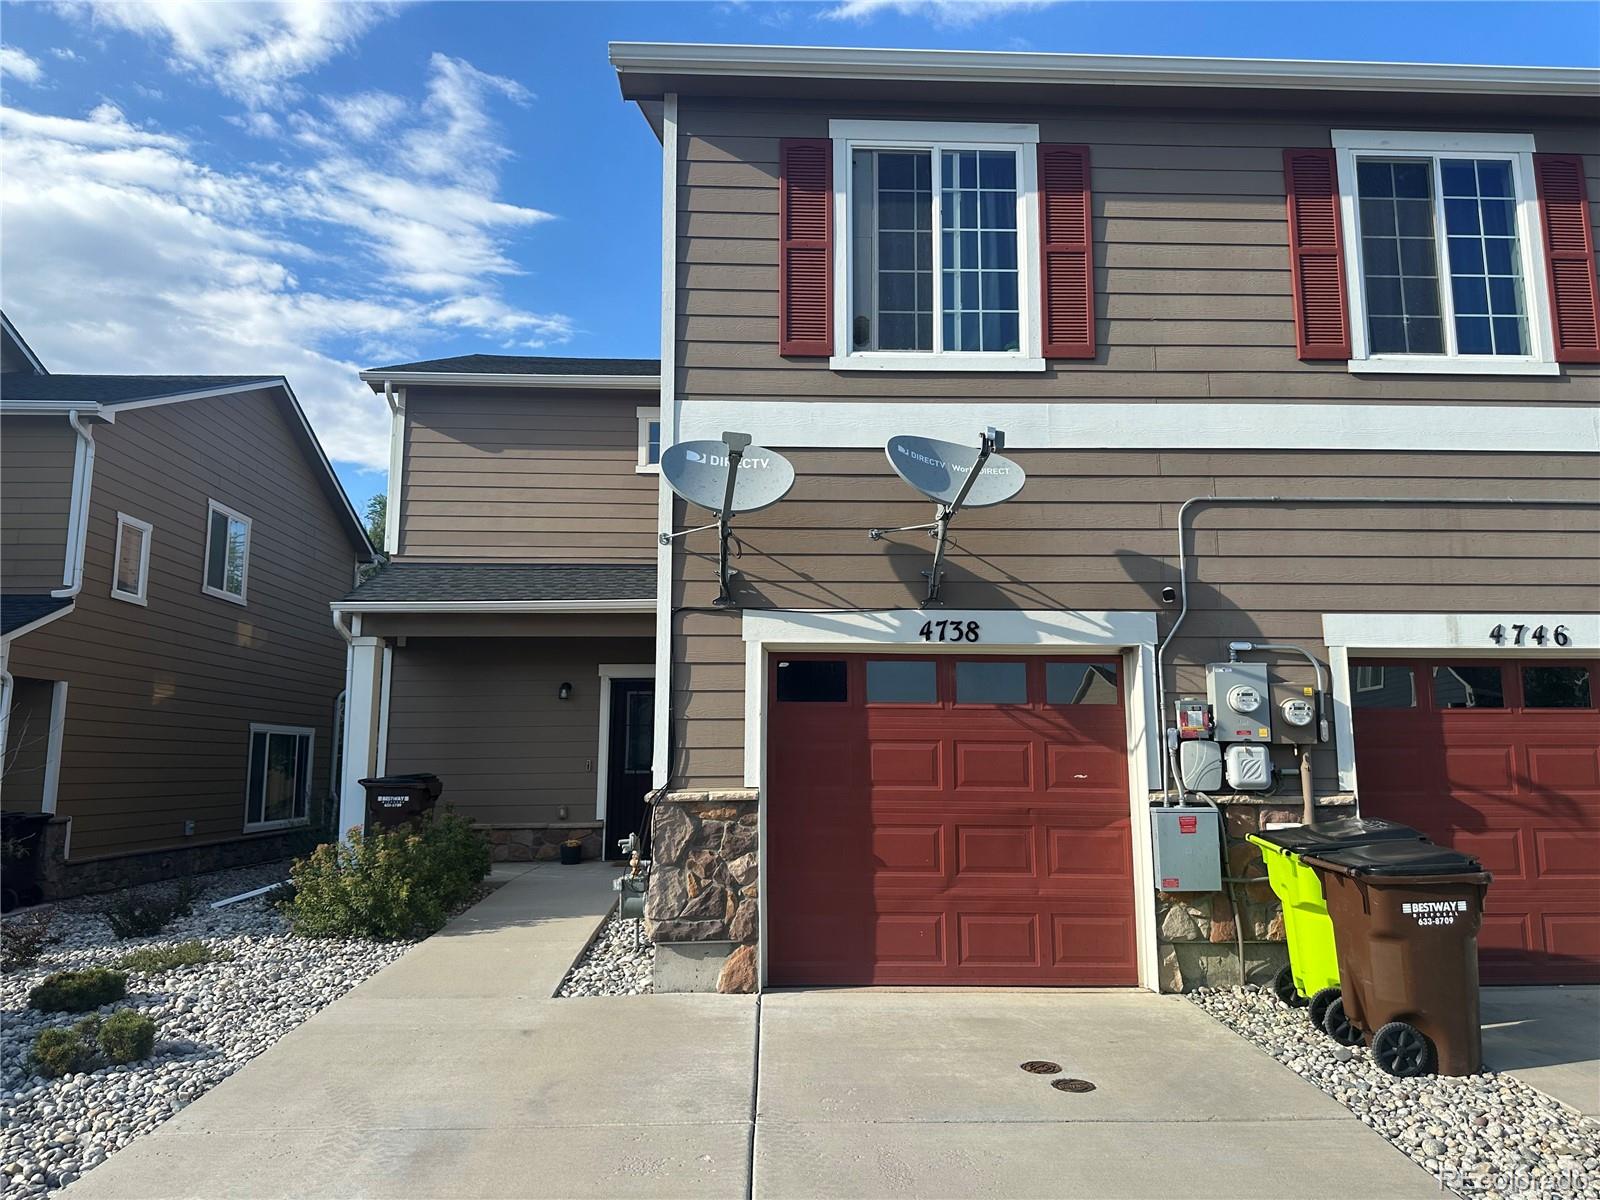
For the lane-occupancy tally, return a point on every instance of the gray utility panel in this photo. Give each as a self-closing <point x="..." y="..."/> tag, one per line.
<point x="1188" y="848"/>
<point x="1240" y="695"/>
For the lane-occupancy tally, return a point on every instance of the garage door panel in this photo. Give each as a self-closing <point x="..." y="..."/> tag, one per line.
<point x="1096" y="769"/>
<point x="989" y="850"/>
<point x="1500" y="851"/>
<point x="999" y="939"/>
<point x="1565" y="768"/>
<point x="1504" y="932"/>
<point x="1571" y="935"/>
<point x="912" y="939"/>
<point x="988" y="766"/>
<point x="896" y="765"/>
<point x="1479" y="770"/>
<point x="1090" y="854"/>
<point x="1568" y="854"/>
<point x="909" y="850"/>
<point x="1102" y="943"/>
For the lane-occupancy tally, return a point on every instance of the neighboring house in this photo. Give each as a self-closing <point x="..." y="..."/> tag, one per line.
<point x="509" y="644"/>
<point x="1204" y="299"/>
<point x="168" y="545"/>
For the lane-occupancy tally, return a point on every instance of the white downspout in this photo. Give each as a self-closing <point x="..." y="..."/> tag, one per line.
<point x="78" y="529"/>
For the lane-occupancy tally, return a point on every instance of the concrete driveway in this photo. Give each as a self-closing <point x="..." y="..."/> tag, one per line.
<point x="1548" y="1037"/>
<point x="452" y="1073"/>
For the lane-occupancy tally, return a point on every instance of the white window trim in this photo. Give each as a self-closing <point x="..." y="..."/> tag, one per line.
<point x="213" y="506"/>
<point x="311" y="759"/>
<point x="645" y="466"/>
<point x="1515" y="148"/>
<point x="142" y="596"/>
<point x="933" y="136"/>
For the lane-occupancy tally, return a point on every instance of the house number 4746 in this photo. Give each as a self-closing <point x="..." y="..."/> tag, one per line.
<point x="1523" y="635"/>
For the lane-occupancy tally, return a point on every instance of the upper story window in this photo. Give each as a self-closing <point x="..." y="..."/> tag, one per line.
<point x="130" y="567"/>
<point x="649" y="439"/>
<point x="1442" y="240"/>
<point x="227" y="553"/>
<point x="936" y="260"/>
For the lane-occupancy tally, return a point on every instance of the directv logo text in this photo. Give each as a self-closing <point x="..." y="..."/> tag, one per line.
<point x="721" y="460"/>
<point x="956" y="468"/>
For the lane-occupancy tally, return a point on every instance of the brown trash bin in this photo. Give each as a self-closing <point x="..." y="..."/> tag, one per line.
<point x="396" y="800"/>
<point x="1405" y="919"/>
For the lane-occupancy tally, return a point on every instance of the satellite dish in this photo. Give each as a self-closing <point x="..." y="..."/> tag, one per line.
<point x="698" y="471"/>
<point x="940" y="469"/>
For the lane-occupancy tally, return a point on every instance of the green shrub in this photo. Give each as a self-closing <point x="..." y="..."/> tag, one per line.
<point x="62" y="1051"/>
<point x="24" y="937"/>
<point x="153" y="960"/>
<point x="127" y="1036"/>
<point x="78" y="991"/>
<point x="145" y="914"/>
<point x="402" y="883"/>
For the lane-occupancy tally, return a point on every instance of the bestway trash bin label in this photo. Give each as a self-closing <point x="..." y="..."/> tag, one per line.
<point x="1434" y="912"/>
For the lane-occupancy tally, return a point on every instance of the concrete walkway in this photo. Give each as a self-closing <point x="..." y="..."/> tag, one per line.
<point x="452" y="1073"/>
<point x="1548" y="1037"/>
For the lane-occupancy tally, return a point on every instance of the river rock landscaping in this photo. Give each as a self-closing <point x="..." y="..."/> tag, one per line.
<point x="211" y="1016"/>
<point x="1488" y="1135"/>
<point x="619" y="962"/>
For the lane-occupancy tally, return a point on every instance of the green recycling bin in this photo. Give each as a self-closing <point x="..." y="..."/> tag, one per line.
<point x="1312" y="976"/>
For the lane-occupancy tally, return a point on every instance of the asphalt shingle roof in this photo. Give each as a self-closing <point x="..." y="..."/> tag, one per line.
<point x="118" y="389"/>
<point x="530" y="364"/>
<point x="437" y="582"/>
<point x="19" y="610"/>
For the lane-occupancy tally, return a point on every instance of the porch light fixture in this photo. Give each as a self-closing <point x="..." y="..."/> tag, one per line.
<point x="564" y="692"/>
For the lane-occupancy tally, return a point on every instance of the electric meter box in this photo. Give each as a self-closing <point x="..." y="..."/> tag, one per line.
<point x="1240" y="695"/>
<point x="1295" y="714"/>
<point x="1188" y="849"/>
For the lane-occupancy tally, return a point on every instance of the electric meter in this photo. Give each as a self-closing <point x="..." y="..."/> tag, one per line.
<point x="1298" y="711"/>
<point x="1244" y="698"/>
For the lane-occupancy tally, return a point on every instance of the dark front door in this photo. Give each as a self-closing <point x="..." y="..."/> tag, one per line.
<point x="632" y="740"/>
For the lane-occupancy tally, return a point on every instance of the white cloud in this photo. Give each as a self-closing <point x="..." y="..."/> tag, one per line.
<point x="940" y="12"/>
<point x="366" y="114"/>
<point x="65" y="54"/>
<point x="125" y="251"/>
<point x="18" y="65"/>
<point x="249" y="49"/>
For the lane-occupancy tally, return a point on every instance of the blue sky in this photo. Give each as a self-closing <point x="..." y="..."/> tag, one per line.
<point x="309" y="189"/>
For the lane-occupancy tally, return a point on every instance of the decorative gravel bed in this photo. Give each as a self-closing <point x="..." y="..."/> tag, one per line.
<point x="1488" y="1135"/>
<point x="211" y="1018"/>
<point x="613" y="965"/>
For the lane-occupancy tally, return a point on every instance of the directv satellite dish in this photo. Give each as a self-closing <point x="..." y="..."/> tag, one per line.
<point x="939" y="470"/>
<point x="728" y="477"/>
<point x="698" y="471"/>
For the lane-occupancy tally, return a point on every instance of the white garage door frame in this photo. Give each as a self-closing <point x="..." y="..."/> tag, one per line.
<point x="1131" y="635"/>
<point x="1432" y="635"/>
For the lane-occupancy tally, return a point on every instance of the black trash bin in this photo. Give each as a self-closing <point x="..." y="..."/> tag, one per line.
<point x="23" y="834"/>
<point x="395" y="800"/>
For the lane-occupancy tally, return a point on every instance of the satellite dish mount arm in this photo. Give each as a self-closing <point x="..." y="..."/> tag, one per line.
<point x="988" y="442"/>
<point x="736" y="443"/>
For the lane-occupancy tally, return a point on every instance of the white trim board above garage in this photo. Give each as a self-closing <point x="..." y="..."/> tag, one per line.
<point x="1189" y="426"/>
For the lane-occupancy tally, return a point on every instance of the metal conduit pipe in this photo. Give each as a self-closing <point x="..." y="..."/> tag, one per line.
<point x="1183" y="559"/>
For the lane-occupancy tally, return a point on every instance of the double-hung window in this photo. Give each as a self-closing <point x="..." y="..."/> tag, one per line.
<point x="649" y="440"/>
<point x="130" y="567"/>
<point x="936" y="262"/>
<point x="1442" y="239"/>
<point x="278" y="788"/>
<point x="227" y="553"/>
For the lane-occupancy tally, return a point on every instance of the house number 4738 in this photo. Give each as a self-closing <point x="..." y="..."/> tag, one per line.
<point x="1524" y="635"/>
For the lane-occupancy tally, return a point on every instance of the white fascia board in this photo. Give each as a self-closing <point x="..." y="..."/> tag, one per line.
<point x="643" y="383"/>
<point x="42" y="621"/>
<point x="843" y="424"/>
<point x="53" y="408"/>
<point x="639" y="604"/>
<point x="228" y="389"/>
<point x="986" y="66"/>
<point x="1456" y="631"/>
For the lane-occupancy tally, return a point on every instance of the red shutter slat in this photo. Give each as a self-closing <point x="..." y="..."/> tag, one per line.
<point x="1066" y="252"/>
<point x="805" y="247"/>
<point x="1569" y="257"/>
<point x="1316" y="255"/>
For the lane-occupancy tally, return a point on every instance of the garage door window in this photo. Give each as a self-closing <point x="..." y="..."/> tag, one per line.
<point x="813" y="681"/>
<point x="1468" y="687"/>
<point x="902" y="682"/>
<point x="991" y="683"/>
<point x="1080" y="683"/>
<point x="1385" y="687"/>
<point x="1556" y="687"/>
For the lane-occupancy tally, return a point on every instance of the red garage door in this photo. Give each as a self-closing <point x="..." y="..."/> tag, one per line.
<point x="948" y="821"/>
<point x="1500" y="760"/>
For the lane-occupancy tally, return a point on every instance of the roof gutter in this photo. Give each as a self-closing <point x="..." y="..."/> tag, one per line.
<point x="985" y="66"/>
<point x="632" y="605"/>
<point x="472" y="379"/>
<point x="78" y="512"/>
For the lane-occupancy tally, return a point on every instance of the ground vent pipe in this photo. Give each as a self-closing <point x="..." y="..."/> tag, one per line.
<point x="1183" y="560"/>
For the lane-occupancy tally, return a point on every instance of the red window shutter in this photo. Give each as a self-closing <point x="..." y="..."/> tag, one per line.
<point x="1569" y="256"/>
<point x="805" y="247"/>
<point x="1066" y="251"/>
<point x="1316" y="255"/>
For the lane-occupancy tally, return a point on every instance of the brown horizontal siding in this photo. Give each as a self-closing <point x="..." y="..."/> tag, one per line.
<point x="36" y="455"/>
<point x="483" y="715"/>
<point x="1099" y="532"/>
<point x="526" y="477"/>
<point x="161" y="697"/>
<point x="1191" y="262"/>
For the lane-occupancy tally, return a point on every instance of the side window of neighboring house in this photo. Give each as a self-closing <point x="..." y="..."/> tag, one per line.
<point x="227" y="553"/>
<point x="649" y="440"/>
<point x="130" y="569"/>
<point x="1445" y="270"/>
<point x="278" y="791"/>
